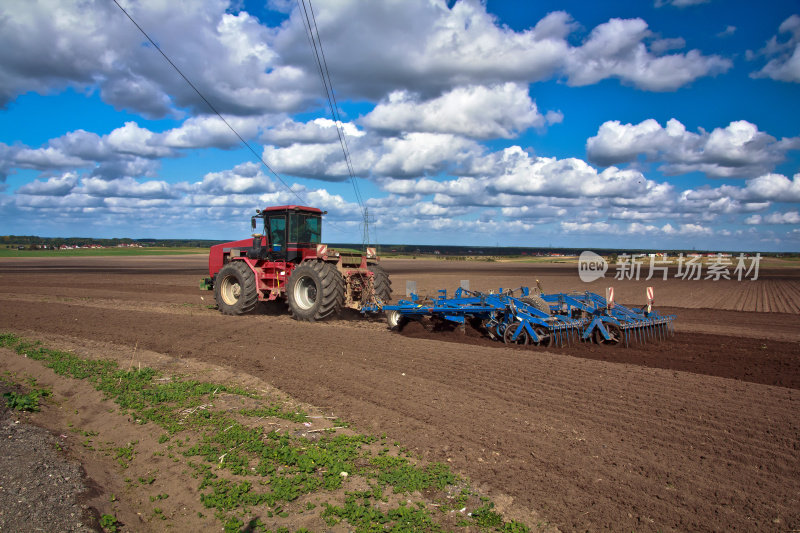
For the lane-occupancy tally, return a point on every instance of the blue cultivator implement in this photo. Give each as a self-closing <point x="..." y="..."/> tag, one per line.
<point x="542" y="320"/>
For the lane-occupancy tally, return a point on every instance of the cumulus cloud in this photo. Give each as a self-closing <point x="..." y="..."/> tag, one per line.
<point x="540" y="187"/>
<point x="246" y="178"/>
<point x="247" y="68"/>
<point x="410" y="155"/>
<point x="570" y="177"/>
<point x="772" y="187"/>
<point x="616" y="49"/>
<point x="54" y="186"/>
<point x="474" y="111"/>
<point x="789" y="217"/>
<point x="783" y="57"/>
<point x="125" y="187"/>
<point x="319" y="130"/>
<point x="738" y="150"/>
<point x="93" y="44"/>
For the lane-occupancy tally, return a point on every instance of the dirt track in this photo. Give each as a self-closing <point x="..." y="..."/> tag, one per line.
<point x="693" y="435"/>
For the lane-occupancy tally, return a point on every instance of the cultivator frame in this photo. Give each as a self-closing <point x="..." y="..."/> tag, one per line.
<point x="541" y="320"/>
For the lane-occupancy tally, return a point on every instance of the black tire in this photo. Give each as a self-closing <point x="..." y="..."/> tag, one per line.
<point x="537" y="302"/>
<point x="523" y="339"/>
<point x="545" y="337"/>
<point x="381" y="283"/>
<point x="315" y="291"/>
<point x="235" y="289"/>
<point x="613" y="331"/>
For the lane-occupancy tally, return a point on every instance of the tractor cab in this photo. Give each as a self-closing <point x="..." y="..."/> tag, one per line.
<point x="284" y="232"/>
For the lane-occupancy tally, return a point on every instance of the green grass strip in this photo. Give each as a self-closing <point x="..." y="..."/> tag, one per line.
<point x="242" y="467"/>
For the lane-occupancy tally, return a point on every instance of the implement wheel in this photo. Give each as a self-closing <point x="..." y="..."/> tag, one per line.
<point x="396" y="320"/>
<point x="235" y="289"/>
<point x="315" y="291"/>
<point x="545" y="336"/>
<point x="613" y="331"/>
<point x="523" y="338"/>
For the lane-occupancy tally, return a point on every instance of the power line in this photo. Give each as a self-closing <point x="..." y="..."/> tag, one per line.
<point x="315" y="41"/>
<point x="211" y="106"/>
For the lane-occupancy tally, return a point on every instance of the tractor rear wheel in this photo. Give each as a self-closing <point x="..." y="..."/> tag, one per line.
<point x="381" y="283"/>
<point x="315" y="291"/>
<point x="235" y="289"/>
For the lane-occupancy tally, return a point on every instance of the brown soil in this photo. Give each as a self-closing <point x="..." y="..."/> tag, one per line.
<point x="701" y="433"/>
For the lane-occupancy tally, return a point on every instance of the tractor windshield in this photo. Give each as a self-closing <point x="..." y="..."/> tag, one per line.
<point x="305" y="228"/>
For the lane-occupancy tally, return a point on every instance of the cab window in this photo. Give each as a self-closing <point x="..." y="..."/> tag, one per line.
<point x="277" y="230"/>
<point x="305" y="228"/>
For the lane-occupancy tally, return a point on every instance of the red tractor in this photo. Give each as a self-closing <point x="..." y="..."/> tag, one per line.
<point x="287" y="261"/>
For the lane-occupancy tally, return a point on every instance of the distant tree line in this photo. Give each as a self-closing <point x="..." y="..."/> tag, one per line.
<point x="29" y="241"/>
<point x="55" y="242"/>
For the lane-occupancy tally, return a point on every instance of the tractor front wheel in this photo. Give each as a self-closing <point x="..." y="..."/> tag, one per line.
<point x="235" y="289"/>
<point x="315" y="291"/>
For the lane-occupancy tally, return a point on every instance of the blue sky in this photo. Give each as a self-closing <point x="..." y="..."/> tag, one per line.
<point x="659" y="124"/>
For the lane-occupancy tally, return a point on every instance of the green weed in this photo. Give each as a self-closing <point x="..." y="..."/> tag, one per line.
<point x="240" y="466"/>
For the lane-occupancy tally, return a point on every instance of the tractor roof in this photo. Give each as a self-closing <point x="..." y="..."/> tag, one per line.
<point x="293" y="208"/>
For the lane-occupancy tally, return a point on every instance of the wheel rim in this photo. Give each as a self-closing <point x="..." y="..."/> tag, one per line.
<point x="230" y="290"/>
<point x="522" y="339"/>
<point x="393" y="318"/>
<point x="305" y="292"/>
<point x="545" y="337"/>
<point x="613" y="332"/>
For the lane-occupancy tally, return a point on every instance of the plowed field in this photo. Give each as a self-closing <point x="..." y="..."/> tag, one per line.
<point x="698" y="434"/>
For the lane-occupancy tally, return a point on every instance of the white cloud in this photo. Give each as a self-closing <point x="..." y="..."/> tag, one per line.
<point x="246" y="68"/>
<point x="54" y="186"/>
<point x="474" y="111"/>
<point x="727" y="32"/>
<point x="246" y="178"/>
<point x="415" y="154"/>
<point x="318" y="161"/>
<point x="319" y="130"/>
<point x="772" y="187"/>
<point x="680" y="3"/>
<point x="424" y="46"/>
<point x="738" y="150"/>
<point x="92" y="43"/>
<point x="664" y="45"/>
<point x="207" y="131"/>
<point x="411" y="155"/>
<point x="616" y="49"/>
<point x="784" y="57"/>
<point x="789" y="217"/>
<point x="131" y="139"/>
<point x="570" y="177"/>
<point x="125" y="187"/>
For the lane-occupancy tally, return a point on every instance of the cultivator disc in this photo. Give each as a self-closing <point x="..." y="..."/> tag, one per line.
<point x="559" y="319"/>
